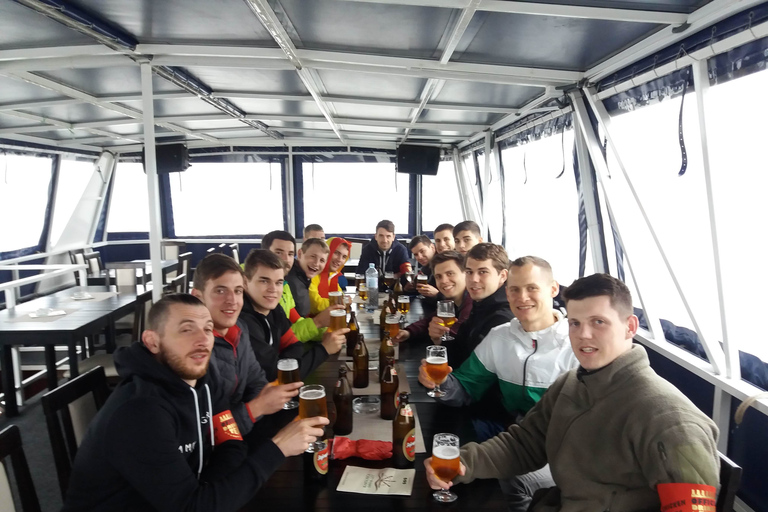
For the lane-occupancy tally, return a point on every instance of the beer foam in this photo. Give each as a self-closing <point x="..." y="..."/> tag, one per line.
<point x="436" y="360"/>
<point x="287" y="365"/>
<point x="446" y="452"/>
<point x="312" y="394"/>
<point x="443" y="314"/>
<point x="338" y="312"/>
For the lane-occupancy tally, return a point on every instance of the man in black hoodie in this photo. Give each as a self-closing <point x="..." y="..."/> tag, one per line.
<point x="165" y="441"/>
<point x="386" y="253"/>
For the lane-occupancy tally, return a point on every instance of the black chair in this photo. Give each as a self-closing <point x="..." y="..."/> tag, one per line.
<point x="185" y="262"/>
<point x="68" y="410"/>
<point x="177" y="285"/>
<point x="10" y="447"/>
<point x="730" y="479"/>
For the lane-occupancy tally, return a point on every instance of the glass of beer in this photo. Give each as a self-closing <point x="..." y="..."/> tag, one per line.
<point x="288" y="372"/>
<point x="404" y="304"/>
<point x="410" y="277"/>
<point x="446" y="311"/>
<point x="437" y="368"/>
<point x="421" y="280"/>
<point x="362" y="291"/>
<point x="393" y="325"/>
<point x="338" y="320"/>
<point x="389" y="280"/>
<point x="336" y="298"/>
<point x="312" y="403"/>
<point x="445" y="463"/>
<point x="359" y="280"/>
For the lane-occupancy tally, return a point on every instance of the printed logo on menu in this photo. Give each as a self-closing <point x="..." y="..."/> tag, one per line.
<point x="409" y="445"/>
<point x="321" y="460"/>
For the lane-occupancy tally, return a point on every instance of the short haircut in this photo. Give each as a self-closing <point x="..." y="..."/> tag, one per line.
<point x="261" y="258"/>
<point x="315" y="242"/>
<point x="467" y="225"/>
<point x="444" y="256"/>
<point x="387" y="225"/>
<point x="214" y="266"/>
<point x="270" y="237"/>
<point x="487" y="251"/>
<point x="312" y="227"/>
<point x="158" y="313"/>
<point x="443" y="227"/>
<point x="598" y="285"/>
<point x="420" y="239"/>
<point x="532" y="260"/>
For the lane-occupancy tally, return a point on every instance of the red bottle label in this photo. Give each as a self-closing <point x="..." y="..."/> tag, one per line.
<point x="320" y="460"/>
<point x="409" y="445"/>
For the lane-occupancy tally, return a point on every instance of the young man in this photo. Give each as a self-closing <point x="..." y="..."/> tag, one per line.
<point x="444" y="238"/>
<point x="311" y="260"/>
<point x="466" y="235"/>
<point x="314" y="231"/>
<point x="385" y="252"/>
<point x="485" y="267"/>
<point x="450" y="280"/>
<point x="423" y="250"/>
<point x="270" y="331"/>
<point x="616" y="435"/>
<point x="330" y="279"/>
<point x="219" y="285"/>
<point x="151" y="447"/>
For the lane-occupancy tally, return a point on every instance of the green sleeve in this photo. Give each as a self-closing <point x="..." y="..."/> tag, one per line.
<point x="474" y="377"/>
<point x="306" y="330"/>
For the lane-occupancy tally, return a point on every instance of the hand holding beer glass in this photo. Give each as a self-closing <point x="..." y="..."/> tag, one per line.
<point x="336" y="298"/>
<point x="288" y="372"/>
<point x="445" y="463"/>
<point x="311" y="404"/>
<point x="446" y="311"/>
<point x="437" y="368"/>
<point x="338" y="320"/>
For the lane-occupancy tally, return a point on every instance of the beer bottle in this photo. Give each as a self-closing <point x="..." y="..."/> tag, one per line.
<point x="404" y="434"/>
<point x="316" y="464"/>
<point x="360" y="358"/>
<point x="389" y="384"/>
<point x="398" y="289"/>
<point x="383" y="319"/>
<point x="354" y="329"/>
<point x="387" y="349"/>
<point x="342" y="399"/>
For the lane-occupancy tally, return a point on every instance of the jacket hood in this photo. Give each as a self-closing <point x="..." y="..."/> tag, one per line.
<point x="333" y="243"/>
<point x="137" y="360"/>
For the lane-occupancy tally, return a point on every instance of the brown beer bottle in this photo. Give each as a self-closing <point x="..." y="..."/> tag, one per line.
<point x="383" y="319"/>
<point x="398" y="289"/>
<point x="404" y="434"/>
<point x="342" y="399"/>
<point x="354" y="329"/>
<point x="387" y="349"/>
<point x="316" y="464"/>
<point x="389" y="384"/>
<point x="360" y="358"/>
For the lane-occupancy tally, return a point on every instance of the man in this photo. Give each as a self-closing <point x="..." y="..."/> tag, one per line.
<point x="330" y="279"/>
<point x="219" y="286"/>
<point x="314" y="231"/>
<point x="444" y="238"/>
<point x="616" y="435"/>
<point x="450" y="280"/>
<point x="524" y="357"/>
<point x="387" y="254"/>
<point x="270" y="331"/>
<point x="466" y="235"/>
<point x="283" y="245"/>
<point x="151" y="446"/>
<point x="423" y="250"/>
<point x="311" y="260"/>
<point x="485" y="268"/>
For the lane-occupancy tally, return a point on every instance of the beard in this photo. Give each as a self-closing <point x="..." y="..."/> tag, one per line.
<point x="181" y="368"/>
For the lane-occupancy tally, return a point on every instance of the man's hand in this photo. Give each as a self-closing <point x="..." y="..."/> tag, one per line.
<point x="436" y="328"/>
<point x="272" y="398"/>
<point x="434" y="482"/>
<point x="295" y="437"/>
<point x="427" y="290"/>
<point x="333" y="341"/>
<point x="403" y="335"/>
<point x="424" y="378"/>
<point x="323" y="318"/>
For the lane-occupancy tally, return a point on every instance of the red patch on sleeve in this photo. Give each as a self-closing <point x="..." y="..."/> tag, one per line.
<point x="686" y="497"/>
<point x="225" y="428"/>
<point x="288" y="339"/>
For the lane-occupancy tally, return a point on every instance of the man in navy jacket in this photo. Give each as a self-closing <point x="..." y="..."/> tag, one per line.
<point x="385" y="252"/>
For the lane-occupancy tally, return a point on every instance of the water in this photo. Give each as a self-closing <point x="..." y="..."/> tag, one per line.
<point x="372" y="283"/>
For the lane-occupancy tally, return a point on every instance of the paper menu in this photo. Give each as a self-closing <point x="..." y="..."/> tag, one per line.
<point x="387" y="481"/>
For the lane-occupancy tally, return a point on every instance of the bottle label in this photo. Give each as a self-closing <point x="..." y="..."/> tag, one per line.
<point x="394" y="372"/>
<point x="338" y="383"/>
<point x="409" y="445"/>
<point x="389" y="342"/>
<point x="320" y="460"/>
<point x="406" y="411"/>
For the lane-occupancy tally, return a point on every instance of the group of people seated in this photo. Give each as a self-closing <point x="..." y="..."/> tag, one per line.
<point x="586" y="425"/>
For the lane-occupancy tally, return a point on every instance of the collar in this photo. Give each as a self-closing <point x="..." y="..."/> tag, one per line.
<point x="493" y="301"/>
<point x="556" y="334"/>
<point x="299" y="272"/>
<point x="604" y="380"/>
<point x="233" y="335"/>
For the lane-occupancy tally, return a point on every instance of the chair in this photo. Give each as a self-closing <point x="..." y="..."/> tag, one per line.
<point x="177" y="285"/>
<point x="68" y="411"/>
<point x="185" y="262"/>
<point x="10" y="446"/>
<point x="730" y="479"/>
<point x="235" y="252"/>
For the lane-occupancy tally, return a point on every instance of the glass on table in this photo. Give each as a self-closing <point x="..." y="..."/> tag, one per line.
<point x="421" y="280"/>
<point x="445" y="463"/>
<point x="287" y="373"/>
<point x="389" y="280"/>
<point x="336" y="298"/>
<point x="359" y="280"/>
<point x="404" y="304"/>
<point x="362" y="291"/>
<point x="437" y="368"/>
<point x="446" y="312"/>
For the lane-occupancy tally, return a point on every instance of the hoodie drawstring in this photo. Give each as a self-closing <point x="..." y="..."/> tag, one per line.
<point x="199" y="433"/>
<point x="210" y="416"/>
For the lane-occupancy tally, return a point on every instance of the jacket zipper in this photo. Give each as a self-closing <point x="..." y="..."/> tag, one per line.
<point x="663" y="454"/>
<point x="525" y="364"/>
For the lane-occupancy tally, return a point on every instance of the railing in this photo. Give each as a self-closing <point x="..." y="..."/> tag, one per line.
<point x="10" y="287"/>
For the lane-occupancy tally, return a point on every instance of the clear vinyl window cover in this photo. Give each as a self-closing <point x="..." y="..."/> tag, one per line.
<point x="24" y="186"/>
<point x="440" y="201"/>
<point x="129" y="202"/>
<point x="238" y="199"/>
<point x="378" y="193"/>
<point x="73" y="178"/>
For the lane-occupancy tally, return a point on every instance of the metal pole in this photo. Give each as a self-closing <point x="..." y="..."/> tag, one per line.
<point x="289" y="195"/>
<point x="596" y="236"/>
<point x="485" y="177"/>
<point x="458" y="169"/>
<point x="150" y="160"/>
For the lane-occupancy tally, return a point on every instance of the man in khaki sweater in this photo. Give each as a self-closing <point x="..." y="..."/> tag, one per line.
<point x="616" y="435"/>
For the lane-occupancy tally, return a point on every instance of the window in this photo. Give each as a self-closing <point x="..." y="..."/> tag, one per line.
<point x="440" y="201"/>
<point x="378" y="193"/>
<point x="227" y="199"/>
<point x="492" y="212"/>
<point x="129" y="203"/>
<point x="73" y="178"/>
<point x="24" y="187"/>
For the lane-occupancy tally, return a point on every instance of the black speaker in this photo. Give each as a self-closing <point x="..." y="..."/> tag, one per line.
<point x="170" y="158"/>
<point x="418" y="159"/>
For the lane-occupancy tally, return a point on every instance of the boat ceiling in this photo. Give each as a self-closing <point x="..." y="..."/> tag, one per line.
<point x="304" y="72"/>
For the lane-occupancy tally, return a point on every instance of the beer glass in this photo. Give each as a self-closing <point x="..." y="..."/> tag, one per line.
<point x="410" y="277"/>
<point x="338" y="320"/>
<point x="393" y="325"/>
<point x="312" y="403"/>
<point x="421" y="280"/>
<point x="404" y="304"/>
<point x="437" y="368"/>
<point x="389" y="280"/>
<point x="447" y="313"/>
<point x="445" y="463"/>
<point x="362" y="290"/>
<point x="288" y="372"/>
<point x="336" y="298"/>
<point x="359" y="280"/>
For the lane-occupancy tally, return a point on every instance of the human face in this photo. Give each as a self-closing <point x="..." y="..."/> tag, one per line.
<point x="483" y="280"/>
<point x="339" y="257"/>
<point x="265" y="288"/>
<point x="450" y="280"/>
<point x="223" y="297"/>
<point x="423" y="253"/>
<point x="315" y="234"/>
<point x="384" y="239"/>
<point x="184" y="342"/>
<point x="313" y="261"/>
<point x="599" y="334"/>
<point x="530" y="290"/>
<point x="465" y="240"/>
<point x="444" y="241"/>
<point x="284" y="249"/>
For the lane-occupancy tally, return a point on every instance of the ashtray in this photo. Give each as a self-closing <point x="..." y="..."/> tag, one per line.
<point x="81" y="296"/>
<point x="366" y="404"/>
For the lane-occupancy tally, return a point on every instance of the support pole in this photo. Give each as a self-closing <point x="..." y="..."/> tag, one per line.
<point x="290" y="200"/>
<point x="155" y="232"/>
<point x="588" y="189"/>
<point x="459" y="171"/>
